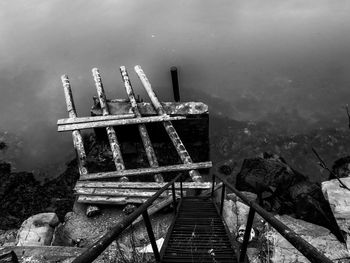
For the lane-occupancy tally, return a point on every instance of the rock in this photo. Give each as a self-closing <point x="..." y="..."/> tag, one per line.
<point x="286" y="191"/>
<point x="8" y="237"/>
<point x="129" y="208"/>
<point x="229" y="216"/>
<point x="37" y="230"/>
<point x="321" y="238"/>
<point x="92" y="211"/>
<point x="149" y="249"/>
<point x="339" y="200"/>
<point x="341" y="168"/>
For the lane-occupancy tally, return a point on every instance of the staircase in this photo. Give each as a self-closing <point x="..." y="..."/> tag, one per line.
<point x="198" y="234"/>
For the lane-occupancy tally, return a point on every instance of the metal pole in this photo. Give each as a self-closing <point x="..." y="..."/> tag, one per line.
<point x="152" y="239"/>
<point x="174" y="196"/>
<point x="246" y="237"/>
<point x="222" y="198"/>
<point x="213" y="186"/>
<point x="175" y="81"/>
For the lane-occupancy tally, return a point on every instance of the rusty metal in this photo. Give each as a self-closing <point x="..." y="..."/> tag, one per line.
<point x="197" y="234"/>
<point x="174" y="137"/>
<point x="151" y="156"/>
<point x="309" y="251"/>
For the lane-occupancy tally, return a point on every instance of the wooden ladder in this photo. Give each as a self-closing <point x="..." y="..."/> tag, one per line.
<point x="90" y="187"/>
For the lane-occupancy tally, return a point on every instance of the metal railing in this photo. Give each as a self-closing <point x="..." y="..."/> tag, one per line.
<point x="309" y="251"/>
<point x="99" y="246"/>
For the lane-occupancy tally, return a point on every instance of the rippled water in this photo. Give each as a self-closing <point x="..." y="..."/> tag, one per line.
<point x="260" y="60"/>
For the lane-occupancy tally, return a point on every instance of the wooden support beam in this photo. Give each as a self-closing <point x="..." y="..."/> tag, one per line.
<point x="118" y="192"/>
<point x="149" y="170"/>
<point x="77" y="139"/>
<point x="179" y="146"/>
<point x="112" y="137"/>
<point x="151" y="156"/>
<point x="94" y="119"/>
<point x="117" y="122"/>
<point x="108" y="200"/>
<point x="140" y="185"/>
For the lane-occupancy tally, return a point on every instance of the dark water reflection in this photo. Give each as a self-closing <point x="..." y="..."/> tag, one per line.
<point x="271" y="60"/>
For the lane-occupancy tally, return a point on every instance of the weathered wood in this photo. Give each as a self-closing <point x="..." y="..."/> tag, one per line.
<point x="151" y="156"/>
<point x="112" y="137"/>
<point x="94" y="119"/>
<point x="150" y="170"/>
<point x="118" y="192"/>
<point x="77" y="139"/>
<point x="140" y="185"/>
<point x="90" y="199"/>
<point x="50" y="253"/>
<point x="180" y="148"/>
<point x="188" y="109"/>
<point x="117" y="122"/>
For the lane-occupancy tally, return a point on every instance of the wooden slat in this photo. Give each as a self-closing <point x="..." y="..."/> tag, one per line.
<point x="146" y="141"/>
<point x="118" y="192"/>
<point x="110" y="200"/>
<point x="150" y="170"/>
<point x="94" y="119"/>
<point x="116" y="122"/>
<point x="112" y="137"/>
<point x="77" y="139"/>
<point x="141" y="185"/>
<point x="174" y="137"/>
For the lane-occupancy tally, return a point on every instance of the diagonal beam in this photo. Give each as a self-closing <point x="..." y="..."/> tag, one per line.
<point x="151" y="156"/>
<point x="179" y="146"/>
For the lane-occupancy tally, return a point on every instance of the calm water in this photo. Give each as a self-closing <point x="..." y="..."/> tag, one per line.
<point x="268" y="58"/>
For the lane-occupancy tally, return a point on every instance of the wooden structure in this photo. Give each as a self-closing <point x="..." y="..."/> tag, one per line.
<point x="93" y="188"/>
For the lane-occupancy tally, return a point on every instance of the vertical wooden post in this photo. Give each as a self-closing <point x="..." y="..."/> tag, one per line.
<point x="152" y="239"/>
<point x="112" y="137"/>
<point x="175" y="81"/>
<point x="222" y="198"/>
<point x="180" y="148"/>
<point x="246" y="237"/>
<point x="151" y="156"/>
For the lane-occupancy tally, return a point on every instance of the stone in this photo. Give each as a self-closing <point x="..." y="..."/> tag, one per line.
<point x="37" y="230"/>
<point x="321" y="238"/>
<point x="339" y="200"/>
<point x="92" y="210"/>
<point x="229" y="216"/>
<point x="149" y="249"/>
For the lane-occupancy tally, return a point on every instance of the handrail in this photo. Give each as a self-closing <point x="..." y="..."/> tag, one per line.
<point x="99" y="246"/>
<point x="309" y="251"/>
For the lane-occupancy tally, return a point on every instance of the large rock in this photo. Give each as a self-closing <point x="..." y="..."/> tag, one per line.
<point x="339" y="200"/>
<point x="286" y="191"/>
<point x="37" y="230"/>
<point x="319" y="237"/>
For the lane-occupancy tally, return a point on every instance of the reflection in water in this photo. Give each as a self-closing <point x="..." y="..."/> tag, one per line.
<point x="258" y="57"/>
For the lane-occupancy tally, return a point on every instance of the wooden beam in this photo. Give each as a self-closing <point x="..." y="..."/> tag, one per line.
<point x="179" y="146"/>
<point x="94" y="119"/>
<point x="140" y="185"/>
<point x="77" y="139"/>
<point x="116" y="122"/>
<point x="112" y="137"/>
<point x="110" y="200"/>
<point x="118" y="192"/>
<point x="149" y="170"/>
<point x="146" y="141"/>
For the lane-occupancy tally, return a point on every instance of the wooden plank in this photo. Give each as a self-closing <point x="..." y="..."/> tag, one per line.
<point x="149" y="170"/>
<point x="141" y="185"/>
<point x="77" y="139"/>
<point x="110" y="200"/>
<point x="118" y="192"/>
<point x="117" y="122"/>
<point x="112" y="137"/>
<point x="189" y="109"/>
<point x="50" y="253"/>
<point x="179" y="146"/>
<point x="146" y="141"/>
<point x="94" y="119"/>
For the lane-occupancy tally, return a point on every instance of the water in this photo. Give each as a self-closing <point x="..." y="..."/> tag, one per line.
<point x="259" y="59"/>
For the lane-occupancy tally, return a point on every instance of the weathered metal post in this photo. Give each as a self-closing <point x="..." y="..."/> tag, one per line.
<point x="174" y="196"/>
<point x="152" y="239"/>
<point x="175" y="81"/>
<point x="213" y="185"/>
<point x="222" y="198"/>
<point x="246" y="237"/>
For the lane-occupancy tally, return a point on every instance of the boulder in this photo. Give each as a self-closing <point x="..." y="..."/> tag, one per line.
<point x="280" y="250"/>
<point x="37" y="230"/>
<point x="339" y="200"/>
